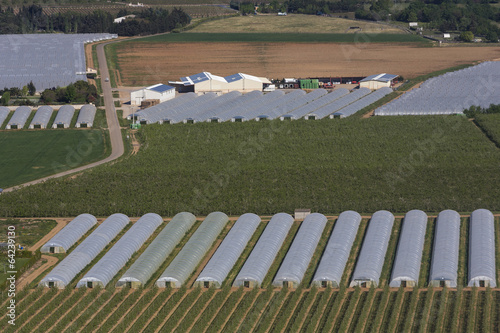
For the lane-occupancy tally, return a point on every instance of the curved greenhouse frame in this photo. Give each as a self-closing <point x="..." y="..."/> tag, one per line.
<point x="86" y="116"/>
<point x="42" y="117"/>
<point x="263" y="254"/>
<point x="444" y="264"/>
<point x="64" y="117"/>
<point x="334" y="259"/>
<point x="482" y="266"/>
<point x="70" y="234"/>
<point x="298" y="257"/>
<point x="221" y="263"/>
<point x="158" y="251"/>
<point x="84" y="253"/>
<point x="19" y="118"/>
<point x="186" y="261"/>
<point x="106" y="268"/>
<point x="372" y="255"/>
<point x="406" y="267"/>
<point x="4" y="113"/>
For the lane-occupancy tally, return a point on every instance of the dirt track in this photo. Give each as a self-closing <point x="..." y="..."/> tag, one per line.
<point x="28" y="277"/>
<point x="147" y="63"/>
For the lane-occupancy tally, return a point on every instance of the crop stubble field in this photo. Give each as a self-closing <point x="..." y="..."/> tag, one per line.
<point x="282" y="310"/>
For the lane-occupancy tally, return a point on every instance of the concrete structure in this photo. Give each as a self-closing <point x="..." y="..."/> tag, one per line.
<point x="158" y="91"/>
<point x="377" y="81"/>
<point x="207" y="82"/>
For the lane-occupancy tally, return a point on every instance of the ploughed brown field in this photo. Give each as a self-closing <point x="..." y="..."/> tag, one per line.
<point x="141" y="64"/>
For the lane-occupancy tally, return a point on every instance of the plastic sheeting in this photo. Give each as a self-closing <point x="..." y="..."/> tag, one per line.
<point x="338" y="104"/>
<point x="482" y="249"/>
<point x="320" y="102"/>
<point x="158" y="112"/>
<point x="334" y="259"/>
<point x="86" y="116"/>
<point x="64" y="116"/>
<point x="42" y="117"/>
<point x="444" y="264"/>
<point x="229" y="250"/>
<point x="361" y="103"/>
<point x="19" y="117"/>
<point x="193" y="251"/>
<point x="71" y="233"/>
<point x="4" y="112"/>
<point x="409" y="253"/>
<point x="299" y="255"/>
<point x="372" y="256"/>
<point x="263" y="254"/>
<point x="106" y="268"/>
<point x="84" y="253"/>
<point x="158" y="251"/>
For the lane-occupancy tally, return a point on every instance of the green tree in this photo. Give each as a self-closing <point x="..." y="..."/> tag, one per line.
<point x="492" y="37"/>
<point x="412" y="17"/>
<point x="70" y="93"/>
<point x="6" y="98"/>
<point x="24" y="91"/>
<point x="31" y="88"/>
<point x="467" y="36"/>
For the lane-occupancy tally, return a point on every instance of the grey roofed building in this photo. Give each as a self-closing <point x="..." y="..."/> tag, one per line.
<point x="70" y="234"/>
<point x="299" y="255"/>
<point x="372" y="256"/>
<point x="86" y="116"/>
<point x="64" y="117"/>
<point x="482" y="268"/>
<point x="84" y="253"/>
<point x="228" y="252"/>
<point x="186" y="261"/>
<point x="109" y="265"/>
<point x="406" y="268"/>
<point x="42" y="117"/>
<point x="19" y="118"/>
<point x="444" y="264"/>
<point x="336" y="254"/>
<point x="158" y="251"/>
<point x="264" y="252"/>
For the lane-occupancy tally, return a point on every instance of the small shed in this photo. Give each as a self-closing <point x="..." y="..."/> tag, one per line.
<point x="301" y="214"/>
<point x="160" y="92"/>
<point x="378" y="81"/>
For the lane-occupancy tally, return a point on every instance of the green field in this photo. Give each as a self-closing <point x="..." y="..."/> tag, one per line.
<point x="29" y="155"/>
<point x="286" y="38"/>
<point x="394" y="163"/>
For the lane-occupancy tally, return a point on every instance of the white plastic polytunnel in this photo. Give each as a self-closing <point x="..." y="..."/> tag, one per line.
<point x="64" y="117"/>
<point x="193" y="251"/>
<point x="332" y="264"/>
<point x="482" y="249"/>
<point x="19" y="118"/>
<point x="406" y="267"/>
<point x="4" y="112"/>
<point x="263" y="254"/>
<point x="221" y="263"/>
<point x="298" y="257"/>
<point x="372" y="255"/>
<point x="70" y="234"/>
<point x="444" y="264"/>
<point x="106" y="268"/>
<point x="42" y="117"/>
<point x="86" y="116"/>
<point x="84" y="253"/>
<point x="158" y="251"/>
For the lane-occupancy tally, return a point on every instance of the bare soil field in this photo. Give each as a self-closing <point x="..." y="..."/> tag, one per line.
<point x="142" y="64"/>
<point x="292" y="23"/>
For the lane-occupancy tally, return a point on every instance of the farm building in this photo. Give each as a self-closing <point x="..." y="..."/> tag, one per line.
<point x="159" y="92"/>
<point x="372" y="255"/>
<point x="84" y="253"/>
<point x="86" y="116"/>
<point x="157" y="113"/>
<point x="157" y="252"/>
<point x="482" y="249"/>
<point x="361" y="103"/>
<point x="19" y="118"/>
<point x="251" y="110"/>
<point x="406" y="267"/>
<point x="64" y="117"/>
<point x="191" y="115"/>
<point x="4" y="113"/>
<point x="228" y="252"/>
<point x="378" y="81"/>
<point x="444" y="264"/>
<point x="298" y="257"/>
<point x="70" y="234"/>
<point x="42" y="117"/>
<point x="186" y="261"/>
<point x="106" y="268"/>
<point x="263" y="254"/>
<point x="334" y="259"/>
<point x="207" y="82"/>
<point x="338" y="104"/>
<point x="310" y="106"/>
<point x="276" y="108"/>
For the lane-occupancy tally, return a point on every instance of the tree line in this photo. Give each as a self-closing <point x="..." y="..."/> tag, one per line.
<point x="32" y="19"/>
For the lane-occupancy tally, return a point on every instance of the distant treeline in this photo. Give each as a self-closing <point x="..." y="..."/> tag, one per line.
<point x="31" y="19"/>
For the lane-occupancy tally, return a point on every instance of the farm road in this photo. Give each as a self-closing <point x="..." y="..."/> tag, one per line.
<point x="117" y="148"/>
<point x="28" y="277"/>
